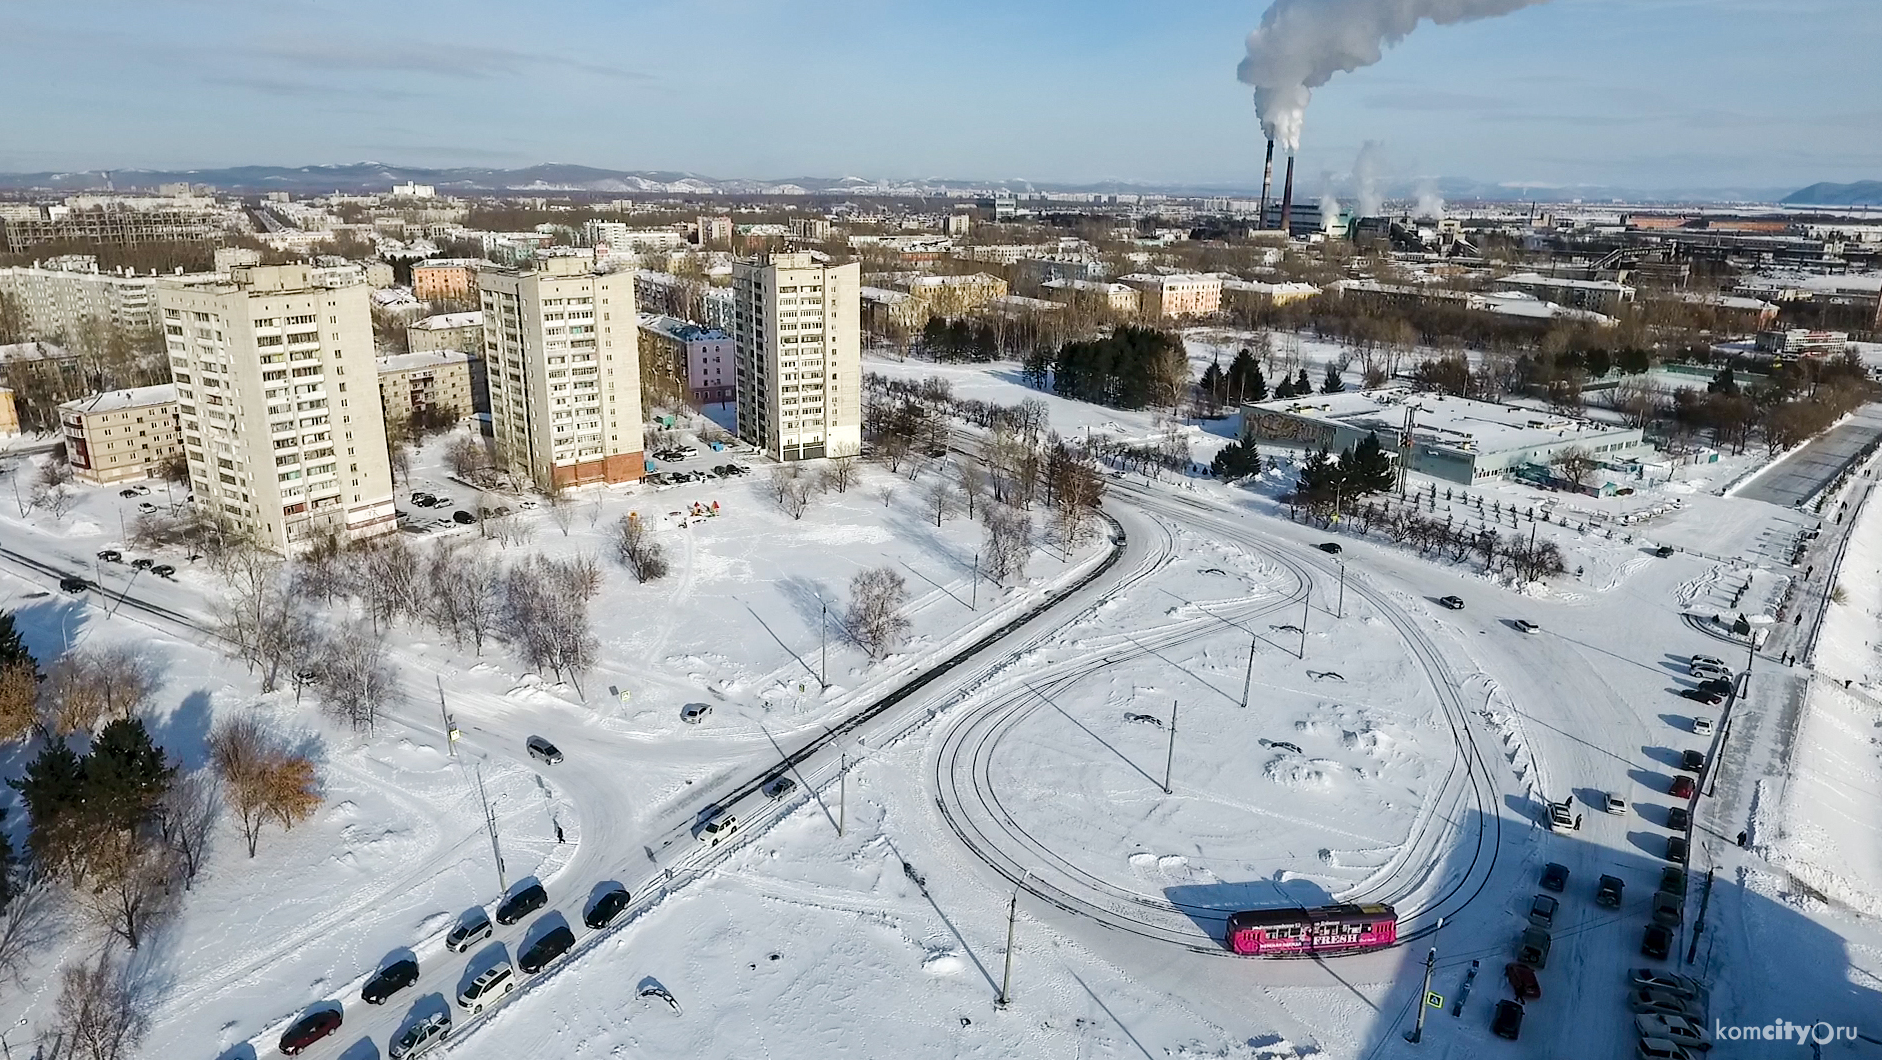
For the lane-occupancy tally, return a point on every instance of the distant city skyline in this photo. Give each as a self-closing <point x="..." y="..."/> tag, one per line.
<point x="1676" y="93"/>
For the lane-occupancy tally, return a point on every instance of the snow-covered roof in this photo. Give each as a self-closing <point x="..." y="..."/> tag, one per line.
<point x="407" y="362"/>
<point x="449" y="321"/>
<point x="1536" y="279"/>
<point x="883" y="295"/>
<point x="32" y="351"/>
<point x="1458" y="423"/>
<point x="117" y="400"/>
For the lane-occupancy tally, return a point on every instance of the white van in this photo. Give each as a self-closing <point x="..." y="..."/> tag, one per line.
<point x="1702" y="726"/>
<point x="490" y="984"/>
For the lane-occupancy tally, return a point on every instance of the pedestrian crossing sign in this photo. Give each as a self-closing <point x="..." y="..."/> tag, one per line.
<point x="1434" y="999"/>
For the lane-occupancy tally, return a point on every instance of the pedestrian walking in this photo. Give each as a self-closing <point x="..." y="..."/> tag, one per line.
<point x="558" y="832"/>
<point x="1578" y="822"/>
<point x="1742" y="837"/>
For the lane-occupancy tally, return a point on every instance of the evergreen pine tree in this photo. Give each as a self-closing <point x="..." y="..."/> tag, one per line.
<point x="1257" y="383"/>
<point x="1333" y="384"/>
<point x="1212" y="383"/>
<point x="1284" y="389"/>
<point x="1367" y="469"/>
<point x="12" y="649"/>
<point x="1302" y="384"/>
<point x="125" y="775"/>
<point x="53" y="790"/>
<point x="1319" y="475"/>
<point x="1236" y="460"/>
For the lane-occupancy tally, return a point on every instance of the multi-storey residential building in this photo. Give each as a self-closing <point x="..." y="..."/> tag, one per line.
<point x="447" y="279"/>
<point x="715" y="230"/>
<point x="618" y="237"/>
<point x="1176" y="295"/>
<point x="434" y="381"/>
<point x="799" y="355"/>
<point x="446" y="331"/>
<point x="954" y="295"/>
<point x="1114" y="297"/>
<point x="810" y="229"/>
<point x="706" y="358"/>
<point x="121" y="434"/>
<point x="279" y="402"/>
<point x="562" y="356"/>
<point x="55" y="300"/>
<point x="119" y="222"/>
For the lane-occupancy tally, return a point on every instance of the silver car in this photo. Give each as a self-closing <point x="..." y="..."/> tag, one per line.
<point x="543" y="751"/>
<point x="420" y="1036"/>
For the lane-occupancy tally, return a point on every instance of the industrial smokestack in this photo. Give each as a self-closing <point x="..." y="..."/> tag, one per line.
<point x="1287" y="197"/>
<point x="1267" y="177"/>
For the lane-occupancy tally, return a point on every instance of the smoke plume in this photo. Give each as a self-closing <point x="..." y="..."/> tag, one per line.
<point x="1301" y="44"/>
<point x="1367" y="169"/>
<point x="1430" y="203"/>
<point x="1329" y="210"/>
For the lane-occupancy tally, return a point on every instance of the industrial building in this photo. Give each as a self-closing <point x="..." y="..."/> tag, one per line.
<point x="1452" y="438"/>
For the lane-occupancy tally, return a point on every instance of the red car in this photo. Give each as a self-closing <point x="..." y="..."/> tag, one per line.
<point x="1683" y="787"/>
<point x="1523" y="980"/>
<point x="309" y="1029"/>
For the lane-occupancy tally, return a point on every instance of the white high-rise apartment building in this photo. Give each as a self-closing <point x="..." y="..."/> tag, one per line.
<point x="278" y="397"/>
<point x="57" y="300"/>
<point x="800" y="376"/>
<point x="562" y="357"/>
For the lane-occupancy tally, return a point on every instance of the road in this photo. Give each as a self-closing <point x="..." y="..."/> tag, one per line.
<point x="1818" y="463"/>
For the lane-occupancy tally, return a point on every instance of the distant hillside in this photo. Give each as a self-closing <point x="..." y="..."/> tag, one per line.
<point x="1861" y="193"/>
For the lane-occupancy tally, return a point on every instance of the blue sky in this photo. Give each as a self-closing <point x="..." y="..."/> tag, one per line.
<point x="1640" y="93"/>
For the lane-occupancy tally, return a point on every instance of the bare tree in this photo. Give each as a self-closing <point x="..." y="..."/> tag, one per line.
<point x="875" y="619"/>
<point x="354" y="679"/>
<point x="841" y="473"/>
<point x="779" y="478"/>
<point x="887" y="494"/>
<point x="130" y="882"/>
<point x="394" y="581"/>
<point x="97" y="1016"/>
<point x="973" y="482"/>
<point x="27" y="924"/>
<point x="638" y="551"/>
<point x="798" y="491"/>
<point x="561" y="507"/>
<point x="186" y="817"/>
<point x="73" y="699"/>
<point x="19" y="700"/>
<point x="467" y="458"/>
<point x="1576" y="464"/>
<point x="262" y="779"/>
<point x="1008" y="541"/>
<point x="546" y="615"/>
<point x="939" y="500"/>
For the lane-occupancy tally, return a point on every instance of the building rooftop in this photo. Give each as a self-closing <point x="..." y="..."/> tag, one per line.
<point x="683" y="330"/>
<point x="1442" y="421"/>
<point x="448" y="321"/>
<point x="883" y="295"/>
<point x="407" y="362"/>
<point x="32" y="351"/>
<point x="1536" y="279"/>
<point x="116" y="400"/>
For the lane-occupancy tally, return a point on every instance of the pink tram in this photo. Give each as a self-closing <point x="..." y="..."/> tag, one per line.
<point x="1321" y="931"/>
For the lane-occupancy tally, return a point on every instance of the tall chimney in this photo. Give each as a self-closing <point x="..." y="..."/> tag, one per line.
<point x="1287" y="198"/>
<point x="1267" y="178"/>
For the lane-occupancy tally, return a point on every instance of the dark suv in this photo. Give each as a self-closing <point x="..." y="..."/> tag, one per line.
<point x="521" y="903"/>
<point x="554" y="943"/>
<point x="606" y="908"/>
<point x="389" y="980"/>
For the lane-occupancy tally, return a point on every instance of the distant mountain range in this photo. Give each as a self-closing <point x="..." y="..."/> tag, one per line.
<point x="558" y="178"/>
<point x="1861" y="193"/>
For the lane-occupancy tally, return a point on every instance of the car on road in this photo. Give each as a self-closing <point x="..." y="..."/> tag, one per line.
<point x="309" y="1029"/>
<point x="147" y="508"/>
<point x="1683" y="787"/>
<point x="1542" y="911"/>
<point x="694" y="713"/>
<point x="1455" y="603"/>
<point x="420" y="1035"/>
<point x="1700" y="695"/>
<point x="140" y="563"/>
<point x="1643" y="999"/>
<point x="1693" y="761"/>
<point x="606" y="908"/>
<point x="1663" y="551"/>
<point x="1522" y="980"/>
<point x="1674" y="1029"/>
<point x="1331" y="548"/>
<point x="127" y="493"/>
<point x="1676" y="849"/>
<point x="1526" y="626"/>
<point x="554" y="943"/>
<point x="522" y="902"/>
<point x="1657" y="942"/>
<point x="1678" y="818"/>
<point x="715" y="826"/>
<point x="491" y="983"/>
<point x="1608" y="892"/>
<point x="389" y="980"/>
<point x="1508" y="1021"/>
<point x="1614" y="802"/>
<point x="543" y="751"/>
<point x="1555" y="877"/>
<point x="1660" y="1049"/>
<point x="1533" y="948"/>
<point x="1668" y="909"/>
<point x="471" y="928"/>
<point x="163" y="570"/>
<point x="778" y="787"/>
<point x="70" y="584"/>
<point x="1701" y="726"/>
<point x="111" y="555"/>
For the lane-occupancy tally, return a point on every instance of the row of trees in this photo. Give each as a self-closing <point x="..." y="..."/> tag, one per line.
<point x="1524" y="556"/>
<point x="1131" y="368"/>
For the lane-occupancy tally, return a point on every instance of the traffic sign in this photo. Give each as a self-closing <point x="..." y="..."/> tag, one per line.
<point x="1434" y="999"/>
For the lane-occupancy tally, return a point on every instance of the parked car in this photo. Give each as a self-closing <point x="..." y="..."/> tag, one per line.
<point x="141" y="563"/>
<point x="1676" y="848"/>
<point x="1683" y="787"/>
<point x="554" y="943"/>
<point x="472" y="927"/>
<point x="1678" y="819"/>
<point x="694" y="713"/>
<point x="1675" y="1029"/>
<point x="1561" y="815"/>
<point x="490" y="984"/>
<point x="309" y="1029"/>
<point x="1526" y="626"/>
<point x="163" y="570"/>
<point x="1542" y="911"/>
<point x="715" y="826"/>
<point x="1660" y="1049"/>
<point x="1668" y="909"/>
<point x="111" y="555"/>
<point x="1554" y="877"/>
<point x="521" y="903"/>
<point x="1707" y="660"/>
<point x="606" y="908"/>
<point x="1700" y="695"/>
<point x="1608" y="892"/>
<point x="543" y="751"/>
<point x="1673" y="878"/>
<point x="1709" y="671"/>
<point x="778" y="787"/>
<point x="420" y="1036"/>
<point x="147" y="508"/>
<point x="1508" y="1021"/>
<point x="1693" y="761"/>
<point x="71" y="584"/>
<point x="1331" y="548"/>
<point x="1721" y="685"/>
<point x="389" y="980"/>
<point x="462" y="517"/>
<point x="1702" y="726"/>
<point x="1522" y="980"/>
<point x="1666" y="982"/>
<point x="1613" y="802"/>
<point x="1648" y="1000"/>
<point x="1533" y="948"/>
<point x="127" y="493"/>
<point x="1455" y="603"/>
<point x="1663" y="551"/>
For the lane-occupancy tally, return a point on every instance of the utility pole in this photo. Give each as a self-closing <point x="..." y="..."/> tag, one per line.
<point x="975" y="605"/>
<point x="1699" y="926"/>
<point x="1404" y="451"/>
<point x="490" y="822"/>
<point x="1249" y="677"/>
<point x="1006" y="977"/>
<point x="842" y="793"/>
<point x="824" y="678"/>
<point x="450" y="733"/>
<point x="1417" y="1033"/>
<point x="1169" y="757"/>
<point x="1306" y="603"/>
<point x="1341" y="610"/>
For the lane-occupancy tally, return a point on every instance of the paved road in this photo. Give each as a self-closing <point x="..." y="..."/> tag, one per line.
<point x="1793" y="481"/>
